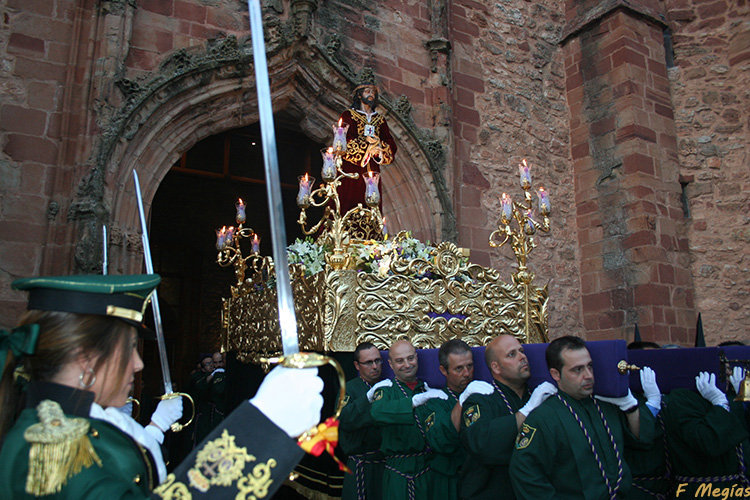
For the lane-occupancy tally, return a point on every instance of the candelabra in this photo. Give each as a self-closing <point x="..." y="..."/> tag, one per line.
<point x="521" y="238"/>
<point x="230" y="253"/>
<point x="336" y="227"/>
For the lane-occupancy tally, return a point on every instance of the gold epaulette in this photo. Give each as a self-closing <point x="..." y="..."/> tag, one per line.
<point x="60" y="448"/>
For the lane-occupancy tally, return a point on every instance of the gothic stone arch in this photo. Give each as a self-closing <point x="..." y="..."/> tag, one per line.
<point x="198" y="94"/>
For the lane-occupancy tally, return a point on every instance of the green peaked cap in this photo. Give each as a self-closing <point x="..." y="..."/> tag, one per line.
<point x="120" y="296"/>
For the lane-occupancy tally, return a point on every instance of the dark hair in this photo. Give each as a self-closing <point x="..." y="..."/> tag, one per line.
<point x="362" y="347"/>
<point x="62" y="337"/>
<point x="729" y="343"/>
<point x="553" y="354"/>
<point x="643" y="344"/>
<point x="357" y="99"/>
<point x="452" y="346"/>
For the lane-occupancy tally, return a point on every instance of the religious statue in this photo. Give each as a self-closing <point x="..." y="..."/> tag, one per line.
<point x="369" y="143"/>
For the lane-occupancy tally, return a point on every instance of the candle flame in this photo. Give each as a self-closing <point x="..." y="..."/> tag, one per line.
<point x="524" y="163"/>
<point x="541" y="189"/>
<point x="242" y="203"/>
<point x="505" y="196"/>
<point x="340" y="121"/>
<point x="330" y="150"/>
<point x="255" y="237"/>
<point x="306" y="178"/>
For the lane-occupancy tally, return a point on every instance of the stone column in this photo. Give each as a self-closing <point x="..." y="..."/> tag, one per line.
<point x="634" y="256"/>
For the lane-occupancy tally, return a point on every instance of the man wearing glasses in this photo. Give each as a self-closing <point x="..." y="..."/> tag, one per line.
<point x="359" y="437"/>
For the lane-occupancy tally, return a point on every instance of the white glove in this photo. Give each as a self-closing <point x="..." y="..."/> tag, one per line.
<point x="290" y="398"/>
<point x="738" y="374"/>
<point x="706" y="385"/>
<point x="383" y="383"/>
<point x="218" y="370"/>
<point x="475" y="387"/>
<point x="650" y="388"/>
<point x="542" y="392"/>
<point x="422" y="397"/>
<point x="168" y="411"/>
<point x="624" y="403"/>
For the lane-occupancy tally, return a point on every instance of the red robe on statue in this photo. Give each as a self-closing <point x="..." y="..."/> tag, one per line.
<point x="352" y="191"/>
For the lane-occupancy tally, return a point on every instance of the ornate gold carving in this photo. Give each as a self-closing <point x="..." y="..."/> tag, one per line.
<point x="426" y="301"/>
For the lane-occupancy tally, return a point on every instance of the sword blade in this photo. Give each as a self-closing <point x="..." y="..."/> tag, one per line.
<point x="162" y="346"/>
<point x="287" y="319"/>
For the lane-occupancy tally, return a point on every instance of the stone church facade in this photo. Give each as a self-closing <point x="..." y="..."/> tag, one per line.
<point x="633" y="114"/>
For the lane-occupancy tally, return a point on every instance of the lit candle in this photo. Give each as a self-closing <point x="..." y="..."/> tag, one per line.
<point x="303" y="196"/>
<point x="525" y="172"/>
<point x="372" y="194"/>
<point x="229" y="235"/>
<point x="221" y="238"/>
<point x="339" y="137"/>
<point x="329" y="165"/>
<point x="255" y="243"/>
<point x="544" y="205"/>
<point x="241" y="217"/>
<point x="507" y="206"/>
<point x="385" y="230"/>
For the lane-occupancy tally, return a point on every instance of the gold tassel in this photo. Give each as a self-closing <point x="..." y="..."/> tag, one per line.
<point x="60" y="449"/>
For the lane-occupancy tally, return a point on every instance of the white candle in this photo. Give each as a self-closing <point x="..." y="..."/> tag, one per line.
<point x="372" y="194"/>
<point x="525" y="172"/>
<point x="305" y="185"/>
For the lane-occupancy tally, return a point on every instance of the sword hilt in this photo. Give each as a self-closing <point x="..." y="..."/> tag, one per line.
<point x="177" y="427"/>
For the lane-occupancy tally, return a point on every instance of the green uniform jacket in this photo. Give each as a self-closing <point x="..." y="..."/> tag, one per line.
<point x="127" y="470"/>
<point x="203" y="408"/>
<point x="445" y="443"/>
<point x="702" y="439"/>
<point x="553" y="459"/>
<point x="247" y="454"/>
<point x="218" y="397"/>
<point x="403" y="443"/>
<point x="488" y="434"/>
<point x="360" y="437"/>
<point x="650" y="463"/>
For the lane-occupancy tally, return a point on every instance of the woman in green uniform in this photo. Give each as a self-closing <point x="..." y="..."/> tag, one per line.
<point x="77" y="345"/>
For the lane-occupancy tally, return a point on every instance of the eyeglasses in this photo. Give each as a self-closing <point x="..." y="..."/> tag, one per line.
<point x="372" y="362"/>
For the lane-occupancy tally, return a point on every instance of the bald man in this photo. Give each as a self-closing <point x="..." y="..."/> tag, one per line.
<point x="492" y="416"/>
<point x="403" y="440"/>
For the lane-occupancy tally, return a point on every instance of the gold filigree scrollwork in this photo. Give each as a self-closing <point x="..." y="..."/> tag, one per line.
<point x="256" y="484"/>
<point x="173" y="490"/>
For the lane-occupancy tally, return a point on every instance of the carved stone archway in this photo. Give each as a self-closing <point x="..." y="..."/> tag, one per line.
<point x="197" y="94"/>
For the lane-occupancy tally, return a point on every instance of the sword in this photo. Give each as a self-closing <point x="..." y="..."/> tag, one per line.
<point x="158" y="326"/>
<point x="287" y="319"/>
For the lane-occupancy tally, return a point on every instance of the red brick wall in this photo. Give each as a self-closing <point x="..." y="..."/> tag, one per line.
<point x="507" y="90"/>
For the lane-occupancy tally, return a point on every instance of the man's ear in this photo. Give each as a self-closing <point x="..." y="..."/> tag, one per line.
<point x="555" y="374"/>
<point x="443" y="370"/>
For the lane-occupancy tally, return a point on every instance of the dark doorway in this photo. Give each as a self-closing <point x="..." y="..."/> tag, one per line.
<point x="196" y="197"/>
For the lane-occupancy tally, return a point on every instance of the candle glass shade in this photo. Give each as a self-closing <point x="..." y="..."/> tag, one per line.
<point x="339" y="137"/>
<point x="255" y="244"/>
<point x="544" y="204"/>
<point x="507" y="208"/>
<point x="221" y="238"/>
<point x="372" y="194"/>
<point x="525" y="172"/>
<point x="305" y="185"/>
<point x="241" y="216"/>
<point x="328" y="173"/>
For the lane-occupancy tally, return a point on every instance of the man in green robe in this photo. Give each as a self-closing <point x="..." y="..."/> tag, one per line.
<point x="491" y="417"/>
<point x="407" y="458"/>
<point x="703" y="436"/>
<point x="359" y="437"/>
<point x="440" y="418"/>
<point x="572" y="445"/>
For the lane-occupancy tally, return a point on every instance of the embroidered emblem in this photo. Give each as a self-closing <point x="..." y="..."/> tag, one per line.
<point x="378" y="395"/>
<point x="525" y="436"/>
<point x="471" y="415"/>
<point x="220" y="462"/>
<point x="171" y="490"/>
<point x="346" y="400"/>
<point x="430" y="421"/>
<point x="370" y="131"/>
